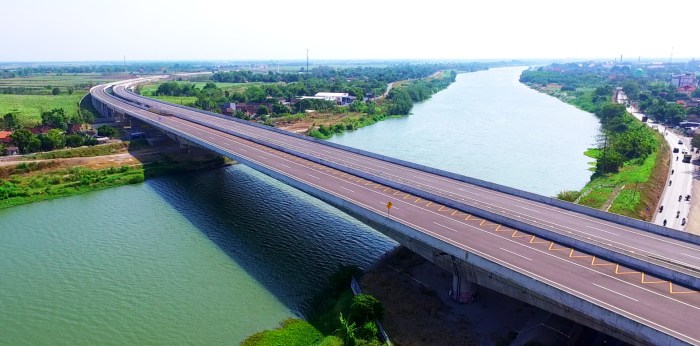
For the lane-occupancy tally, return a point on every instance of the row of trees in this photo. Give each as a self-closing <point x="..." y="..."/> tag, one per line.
<point x="27" y="142"/>
<point x="623" y="139"/>
<point x="57" y="118"/>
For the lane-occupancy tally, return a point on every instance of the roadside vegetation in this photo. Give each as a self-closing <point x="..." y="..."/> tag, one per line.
<point x="342" y="319"/>
<point x="629" y="156"/>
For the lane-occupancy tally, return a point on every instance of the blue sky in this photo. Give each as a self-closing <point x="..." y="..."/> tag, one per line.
<point x="82" y="30"/>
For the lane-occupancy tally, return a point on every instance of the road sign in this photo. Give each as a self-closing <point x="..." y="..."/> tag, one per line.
<point x="389" y="205"/>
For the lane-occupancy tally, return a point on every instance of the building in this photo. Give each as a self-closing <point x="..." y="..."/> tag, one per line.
<point x="686" y="89"/>
<point x="40" y="130"/>
<point x="11" y="150"/>
<point x="5" y="137"/>
<point x="339" y="98"/>
<point x="249" y="109"/>
<point x="681" y="80"/>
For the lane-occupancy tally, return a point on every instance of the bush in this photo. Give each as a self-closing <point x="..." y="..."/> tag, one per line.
<point x="365" y="308"/>
<point x="368" y="331"/>
<point x="107" y="131"/>
<point x="568" y="196"/>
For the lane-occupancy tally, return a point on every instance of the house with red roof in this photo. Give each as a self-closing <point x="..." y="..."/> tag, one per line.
<point x="5" y="137"/>
<point x="687" y="89"/>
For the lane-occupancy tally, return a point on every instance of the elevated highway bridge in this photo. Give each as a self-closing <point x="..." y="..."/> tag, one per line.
<point x="630" y="279"/>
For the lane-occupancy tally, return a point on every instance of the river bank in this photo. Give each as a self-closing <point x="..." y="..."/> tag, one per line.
<point x="39" y="177"/>
<point x="635" y="189"/>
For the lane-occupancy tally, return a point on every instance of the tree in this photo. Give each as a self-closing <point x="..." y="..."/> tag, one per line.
<point x="57" y="138"/>
<point x="74" y="141"/>
<point x="107" y="131"/>
<point x="346" y="331"/>
<point x="55" y="91"/>
<point x="24" y="140"/>
<point x="695" y="142"/>
<point x="262" y="110"/>
<point x="695" y="93"/>
<point x="55" y="118"/>
<point x="279" y="108"/>
<point x="10" y="121"/>
<point x="365" y="308"/>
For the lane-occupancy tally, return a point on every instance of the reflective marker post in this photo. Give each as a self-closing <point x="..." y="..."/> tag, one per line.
<point x="388" y="208"/>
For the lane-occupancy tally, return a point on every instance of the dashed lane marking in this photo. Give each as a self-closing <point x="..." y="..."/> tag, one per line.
<point x="517" y="254"/>
<point x="618" y="293"/>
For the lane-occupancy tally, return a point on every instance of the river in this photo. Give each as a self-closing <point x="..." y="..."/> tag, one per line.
<point x="215" y="256"/>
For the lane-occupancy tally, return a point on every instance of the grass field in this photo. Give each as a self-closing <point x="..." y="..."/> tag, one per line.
<point x="42" y="84"/>
<point x="30" y="107"/>
<point x="150" y="89"/>
<point x="178" y="100"/>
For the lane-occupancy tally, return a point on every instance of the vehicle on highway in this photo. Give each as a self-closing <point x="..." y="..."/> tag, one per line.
<point x="687" y="158"/>
<point x="675" y="150"/>
<point x="680" y="141"/>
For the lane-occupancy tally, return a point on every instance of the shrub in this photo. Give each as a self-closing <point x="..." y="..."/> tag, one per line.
<point x="365" y="308"/>
<point x="368" y="331"/>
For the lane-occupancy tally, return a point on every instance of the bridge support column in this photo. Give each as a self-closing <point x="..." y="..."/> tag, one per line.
<point x="463" y="290"/>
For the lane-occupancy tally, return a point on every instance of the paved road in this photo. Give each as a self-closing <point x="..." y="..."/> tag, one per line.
<point x="640" y="297"/>
<point x="679" y="182"/>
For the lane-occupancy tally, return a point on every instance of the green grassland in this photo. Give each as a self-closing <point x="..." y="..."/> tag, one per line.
<point x="178" y="100"/>
<point x="42" y="84"/>
<point x="32" y="95"/>
<point x="29" y="107"/>
<point x="150" y="89"/>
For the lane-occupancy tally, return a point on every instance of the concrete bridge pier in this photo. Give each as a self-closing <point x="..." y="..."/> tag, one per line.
<point x="463" y="289"/>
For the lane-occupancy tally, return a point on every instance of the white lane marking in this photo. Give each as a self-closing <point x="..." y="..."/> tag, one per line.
<point x="313" y="176"/>
<point x="241" y="149"/>
<point x="532" y="210"/>
<point x="345" y="188"/>
<point x="685" y="254"/>
<point x="602" y="230"/>
<point x="517" y="254"/>
<point x="283" y="165"/>
<point x="450" y="228"/>
<point x="607" y="289"/>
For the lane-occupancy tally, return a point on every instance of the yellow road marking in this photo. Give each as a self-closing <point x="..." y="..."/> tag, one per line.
<point x="600" y="264"/>
<point x="617" y="271"/>
<point x="407" y="196"/>
<point x="552" y="245"/>
<point x="520" y="236"/>
<point x="417" y="199"/>
<point x="571" y="254"/>
<point x="670" y="289"/>
<point x="532" y="241"/>
<point x="651" y="282"/>
<point x="429" y="203"/>
<point x="442" y="206"/>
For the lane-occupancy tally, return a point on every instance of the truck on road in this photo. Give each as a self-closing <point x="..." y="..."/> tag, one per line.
<point x="687" y="157"/>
